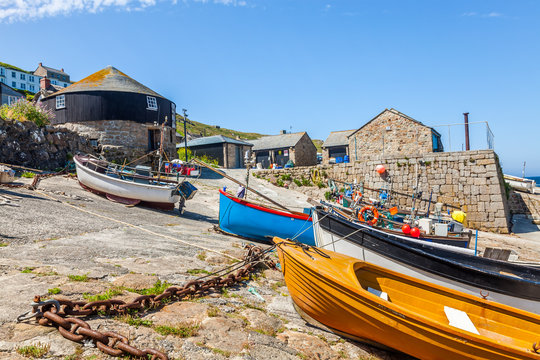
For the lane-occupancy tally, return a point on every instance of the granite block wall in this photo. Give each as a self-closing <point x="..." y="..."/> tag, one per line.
<point x="470" y="180"/>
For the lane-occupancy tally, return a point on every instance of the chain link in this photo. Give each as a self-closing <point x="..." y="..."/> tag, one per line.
<point x="55" y="313"/>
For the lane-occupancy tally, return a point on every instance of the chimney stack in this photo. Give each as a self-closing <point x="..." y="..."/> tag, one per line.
<point x="62" y="70"/>
<point x="467" y="147"/>
<point x="282" y="132"/>
<point x="44" y="83"/>
<point x="40" y="64"/>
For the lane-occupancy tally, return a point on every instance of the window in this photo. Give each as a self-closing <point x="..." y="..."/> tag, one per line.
<point x="13" y="74"/>
<point x="2" y="80"/>
<point x="54" y="82"/>
<point x="65" y="85"/>
<point x="31" y="87"/>
<point x="2" y="71"/>
<point x="151" y="103"/>
<point x="23" y="86"/>
<point x="61" y="101"/>
<point x="11" y="100"/>
<point x="30" y="78"/>
<point x="23" y="76"/>
<point x="13" y="84"/>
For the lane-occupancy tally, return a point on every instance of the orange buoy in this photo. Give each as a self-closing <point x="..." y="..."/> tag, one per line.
<point x="380" y="169"/>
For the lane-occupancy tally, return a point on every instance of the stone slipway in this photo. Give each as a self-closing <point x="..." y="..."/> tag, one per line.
<point x="62" y="230"/>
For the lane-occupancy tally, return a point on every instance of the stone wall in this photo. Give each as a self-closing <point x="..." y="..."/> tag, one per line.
<point x="390" y="133"/>
<point x="470" y="180"/>
<point x="46" y="148"/>
<point x="305" y="152"/>
<point x="122" y="139"/>
<point x="525" y="203"/>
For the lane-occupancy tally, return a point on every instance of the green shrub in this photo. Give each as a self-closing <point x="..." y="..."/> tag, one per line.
<point x="286" y="177"/>
<point x="28" y="174"/>
<point x="328" y="195"/>
<point x="320" y="184"/>
<point x="24" y="110"/>
<point x="280" y="183"/>
<point x="306" y="182"/>
<point x="297" y="182"/>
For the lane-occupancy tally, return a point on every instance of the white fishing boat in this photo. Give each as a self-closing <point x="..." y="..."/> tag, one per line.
<point x="521" y="184"/>
<point x="449" y="266"/>
<point x="130" y="185"/>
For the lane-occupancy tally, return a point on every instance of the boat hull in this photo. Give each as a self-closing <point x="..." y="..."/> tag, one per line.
<point x="411" y="319"/>
<point x="505" y="283"/>
<point x="243" y="218"/>
<point x="156" y="195"/>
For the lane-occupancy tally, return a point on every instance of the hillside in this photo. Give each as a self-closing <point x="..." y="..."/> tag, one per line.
<point x="200" y="129"/>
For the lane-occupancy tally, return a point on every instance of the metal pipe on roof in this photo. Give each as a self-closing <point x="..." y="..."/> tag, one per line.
<point x="467" y="146"/>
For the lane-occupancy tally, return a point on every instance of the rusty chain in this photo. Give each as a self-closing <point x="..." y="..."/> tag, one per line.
<point x="55" y="312"/>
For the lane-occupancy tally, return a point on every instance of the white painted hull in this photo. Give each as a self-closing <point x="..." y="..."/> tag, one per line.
<point x="124" y="188"/>
<point x="329" y="241"/>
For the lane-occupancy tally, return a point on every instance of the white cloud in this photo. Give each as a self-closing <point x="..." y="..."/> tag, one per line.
<point x="20" y="10"/>
<point x="485" y="15"/>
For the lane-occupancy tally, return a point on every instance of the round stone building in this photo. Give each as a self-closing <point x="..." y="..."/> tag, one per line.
<point x="120" y="117"/>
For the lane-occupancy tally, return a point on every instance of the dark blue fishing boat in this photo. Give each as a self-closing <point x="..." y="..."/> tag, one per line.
<point x="260" y="222"/>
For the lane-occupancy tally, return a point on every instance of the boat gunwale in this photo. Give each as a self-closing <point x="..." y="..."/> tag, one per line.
<point x="104" y="176"/>
<point x="418" y="249"/>
<point x="393" y="310"/>
<point x="264" y="208"/>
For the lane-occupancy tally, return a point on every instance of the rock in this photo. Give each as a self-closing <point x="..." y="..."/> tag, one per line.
<point x="310" y="346"/>
<point x="136" y="281"/>
<point x="223" y="333"/>
<point x="261" y="322"/>
<point x="185" y="313"/>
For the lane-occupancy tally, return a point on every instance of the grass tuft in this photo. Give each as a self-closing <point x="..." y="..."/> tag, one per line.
<point x="180" y="330"/>
<point x="54" y="291"/>
<point x="80" y="278"/>
<point x="34" y="351"/>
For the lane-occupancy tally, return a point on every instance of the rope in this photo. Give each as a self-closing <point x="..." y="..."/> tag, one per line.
<point x="312" y="223"/>
<point x="139" y="228"/>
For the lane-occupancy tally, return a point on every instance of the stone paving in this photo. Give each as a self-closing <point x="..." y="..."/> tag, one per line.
<point x="64" y="242"/>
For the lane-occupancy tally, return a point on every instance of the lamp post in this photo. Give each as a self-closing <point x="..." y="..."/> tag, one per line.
<point x="185" y="133"/>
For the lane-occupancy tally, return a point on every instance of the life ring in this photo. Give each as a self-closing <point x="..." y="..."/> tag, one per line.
<point x="371" y="217"/>
<point x="357" y="196"/>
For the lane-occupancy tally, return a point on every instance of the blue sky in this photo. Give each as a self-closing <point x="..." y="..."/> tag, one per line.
<point x="318" y="66"/>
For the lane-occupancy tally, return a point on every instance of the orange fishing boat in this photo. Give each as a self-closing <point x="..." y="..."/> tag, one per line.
<point x="363" y="301"/>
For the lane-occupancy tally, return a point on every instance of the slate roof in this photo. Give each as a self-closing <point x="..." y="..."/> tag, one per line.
<point x="394" y="111"/>
<point x="337" y="138"/>
<point x="108" y="79"/>
<point x="277" y="141"/>
<point x="53" y="70"/>
<point x="210" y="140"/>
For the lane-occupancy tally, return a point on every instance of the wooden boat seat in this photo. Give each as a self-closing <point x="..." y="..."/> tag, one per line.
<point x="431" y="301"/>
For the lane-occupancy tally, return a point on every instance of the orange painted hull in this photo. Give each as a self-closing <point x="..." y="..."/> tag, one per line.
<point x="334" y="292"/>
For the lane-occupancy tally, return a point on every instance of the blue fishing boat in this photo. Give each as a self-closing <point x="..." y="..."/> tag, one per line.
<point x="260" y="222"/>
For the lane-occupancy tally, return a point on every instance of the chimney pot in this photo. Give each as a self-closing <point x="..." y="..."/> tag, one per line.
<point x="40" y="64"/>
<point x="62" y="69"/>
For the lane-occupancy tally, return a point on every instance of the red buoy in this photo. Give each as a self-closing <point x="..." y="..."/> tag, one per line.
<point x="415" y="232"/>
<point x="380" y="169"/>
<point x="406" y="229"/>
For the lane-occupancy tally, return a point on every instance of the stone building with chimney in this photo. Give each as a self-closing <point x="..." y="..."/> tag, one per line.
<point x="393" y="133"/>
